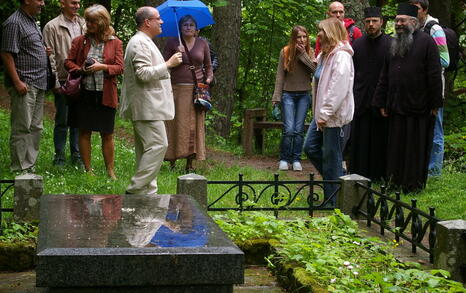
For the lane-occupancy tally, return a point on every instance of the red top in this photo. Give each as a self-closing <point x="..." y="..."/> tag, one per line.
<point x="112" y="56"/>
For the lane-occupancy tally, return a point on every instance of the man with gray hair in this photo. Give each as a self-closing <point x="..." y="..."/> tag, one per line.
<point x="147" y="99"/>
<point x="409" y="92"/>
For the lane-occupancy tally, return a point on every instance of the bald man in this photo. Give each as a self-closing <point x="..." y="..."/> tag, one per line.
<point x="337" y="9"/>
<point x="147" y="99"/>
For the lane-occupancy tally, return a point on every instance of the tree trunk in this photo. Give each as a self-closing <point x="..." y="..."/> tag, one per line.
<point x="226" y="40"/>
<point x="441" y="9"/>
<point x="355" y="9"/>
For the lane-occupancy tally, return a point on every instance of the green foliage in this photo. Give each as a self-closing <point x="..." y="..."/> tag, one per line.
<point x="250" y="225"/>
<point x="455" y="151"/>
<point x="15" y="232"/>
<point x="332" y="251"/>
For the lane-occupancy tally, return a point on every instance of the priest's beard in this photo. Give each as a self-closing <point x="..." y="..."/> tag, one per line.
<point x="403" y="41"/>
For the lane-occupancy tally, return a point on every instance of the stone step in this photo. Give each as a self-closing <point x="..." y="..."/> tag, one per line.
<point x="258" y="279"/>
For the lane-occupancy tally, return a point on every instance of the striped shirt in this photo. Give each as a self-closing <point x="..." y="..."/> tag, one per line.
<point x="23" y="39"/>
<point x="437" y="33"/>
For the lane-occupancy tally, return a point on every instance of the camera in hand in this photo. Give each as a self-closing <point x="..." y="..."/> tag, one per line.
<point x="89" y="61"/>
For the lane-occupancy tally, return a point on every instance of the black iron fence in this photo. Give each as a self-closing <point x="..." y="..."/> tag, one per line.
<point x="5" y="185"/>
<point x="275" y="195"/>
<point x="403" y="220"/>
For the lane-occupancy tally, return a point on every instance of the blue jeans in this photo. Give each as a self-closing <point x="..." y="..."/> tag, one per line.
<point x="294" y="110"/>
<point x="324" y="148"/>
<point x="436" y="154"/>
<point x="60" y="130"/>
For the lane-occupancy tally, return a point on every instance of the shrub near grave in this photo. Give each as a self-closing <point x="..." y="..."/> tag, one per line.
<point x="17" y="246"/>
<point x="329" y="253"/>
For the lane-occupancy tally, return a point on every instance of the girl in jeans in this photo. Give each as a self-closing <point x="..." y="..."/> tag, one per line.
<point x="293" y="83"/>
<point x="333" y="104"/>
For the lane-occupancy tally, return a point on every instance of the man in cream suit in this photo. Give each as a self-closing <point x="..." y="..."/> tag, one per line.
<point x="147" y="99"/>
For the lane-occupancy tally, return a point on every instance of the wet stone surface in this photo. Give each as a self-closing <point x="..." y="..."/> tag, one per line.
<point x="133" y="240"/>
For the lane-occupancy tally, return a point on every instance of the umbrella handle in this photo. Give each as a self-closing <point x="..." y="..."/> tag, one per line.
<point x="177" y="26"/>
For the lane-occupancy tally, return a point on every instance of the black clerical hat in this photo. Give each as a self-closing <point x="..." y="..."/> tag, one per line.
<point x="407" y="9"/>
<point x="372" y="12"/>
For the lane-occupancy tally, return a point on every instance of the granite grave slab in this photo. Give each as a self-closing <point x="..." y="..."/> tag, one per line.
<point x="149" y="243"/>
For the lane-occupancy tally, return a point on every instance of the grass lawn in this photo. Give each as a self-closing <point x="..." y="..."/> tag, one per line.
<point x="447" y="193"/>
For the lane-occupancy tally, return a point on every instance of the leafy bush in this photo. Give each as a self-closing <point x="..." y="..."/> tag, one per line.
<point x="455" y="151"/>
<point x="15" y="232"/>
<point x="332" y="251"/>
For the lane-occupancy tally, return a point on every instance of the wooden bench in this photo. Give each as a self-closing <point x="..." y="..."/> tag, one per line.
<point x="253" y="127"/>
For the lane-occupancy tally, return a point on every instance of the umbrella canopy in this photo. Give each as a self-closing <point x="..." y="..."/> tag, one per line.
<point x="172" y="10"/>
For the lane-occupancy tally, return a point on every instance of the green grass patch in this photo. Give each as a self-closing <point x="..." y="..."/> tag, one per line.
<point x="446" y="193"/>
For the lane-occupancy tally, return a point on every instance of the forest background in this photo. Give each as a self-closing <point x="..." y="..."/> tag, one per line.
<point x="247" y="38"/>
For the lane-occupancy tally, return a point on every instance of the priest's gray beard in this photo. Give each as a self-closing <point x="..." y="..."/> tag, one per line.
<point x="402" y="42"/>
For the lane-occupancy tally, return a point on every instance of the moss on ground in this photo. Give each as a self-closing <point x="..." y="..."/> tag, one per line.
<point x="17" y="256"/>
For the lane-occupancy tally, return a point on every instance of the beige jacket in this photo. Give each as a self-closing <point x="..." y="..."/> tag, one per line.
<point x="146" y="93"/>
<point x="58" y="37"/>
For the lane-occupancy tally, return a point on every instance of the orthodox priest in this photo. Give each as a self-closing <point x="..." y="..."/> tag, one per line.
<point x="409" y="93"/>
<point x="369" y="129"/>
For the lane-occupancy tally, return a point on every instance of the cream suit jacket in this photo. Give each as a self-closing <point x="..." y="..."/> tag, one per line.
<point x="147" y="92"/>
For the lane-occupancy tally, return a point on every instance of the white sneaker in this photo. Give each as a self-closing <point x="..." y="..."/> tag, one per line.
<point x="283" y="166"/>
<point x="297" y="166"/>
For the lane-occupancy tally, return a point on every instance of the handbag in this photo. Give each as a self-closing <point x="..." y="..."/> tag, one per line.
<point x="201" y="93"/>
<point x="72" y="86"/>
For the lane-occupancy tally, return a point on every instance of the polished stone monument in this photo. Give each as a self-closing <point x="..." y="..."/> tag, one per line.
<point x="133" y="243"/>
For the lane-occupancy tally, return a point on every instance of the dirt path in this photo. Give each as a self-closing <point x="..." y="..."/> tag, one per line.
<point x="257" y="161"/>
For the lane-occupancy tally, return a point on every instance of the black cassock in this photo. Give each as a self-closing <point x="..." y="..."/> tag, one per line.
<point x="369" y="130"/>
<point x="409" y="88"/>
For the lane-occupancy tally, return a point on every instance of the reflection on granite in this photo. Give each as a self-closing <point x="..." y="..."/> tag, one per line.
<point x="123" y="221"/>
<point x="132" y="240"/>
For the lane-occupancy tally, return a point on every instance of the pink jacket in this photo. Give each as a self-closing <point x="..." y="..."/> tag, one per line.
<point x="332" y="96"/>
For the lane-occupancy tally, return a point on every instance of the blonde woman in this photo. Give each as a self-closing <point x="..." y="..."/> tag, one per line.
<point x="292" y="85"/>
<point x="333" y="103"/>
<point x="98" y="56"/>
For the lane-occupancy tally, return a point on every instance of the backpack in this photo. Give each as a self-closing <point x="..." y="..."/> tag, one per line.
<point x="452" y="43"/>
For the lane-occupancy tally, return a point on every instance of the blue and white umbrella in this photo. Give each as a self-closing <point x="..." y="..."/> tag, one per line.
<point x="172" y="10"/>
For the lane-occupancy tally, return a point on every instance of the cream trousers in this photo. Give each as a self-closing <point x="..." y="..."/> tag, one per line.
<point x="151" y="143"/>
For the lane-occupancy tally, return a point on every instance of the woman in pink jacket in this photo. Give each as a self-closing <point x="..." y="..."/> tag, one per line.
<point x="333" y="104"/>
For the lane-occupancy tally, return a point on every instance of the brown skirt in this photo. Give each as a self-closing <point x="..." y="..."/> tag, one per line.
<point x="186" y="133"/>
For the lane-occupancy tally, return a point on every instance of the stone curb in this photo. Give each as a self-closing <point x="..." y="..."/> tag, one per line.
<point x="292" y="277"/>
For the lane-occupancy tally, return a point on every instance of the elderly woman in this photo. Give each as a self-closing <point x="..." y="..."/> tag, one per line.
<point x="293" y="83"/>
<point x="98" y="57"/>
<point x="186" y="133"/>
<point x="333" y="104"/>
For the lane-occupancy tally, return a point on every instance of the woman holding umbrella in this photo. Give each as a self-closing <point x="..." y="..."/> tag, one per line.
<point x="186" y="133"/>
